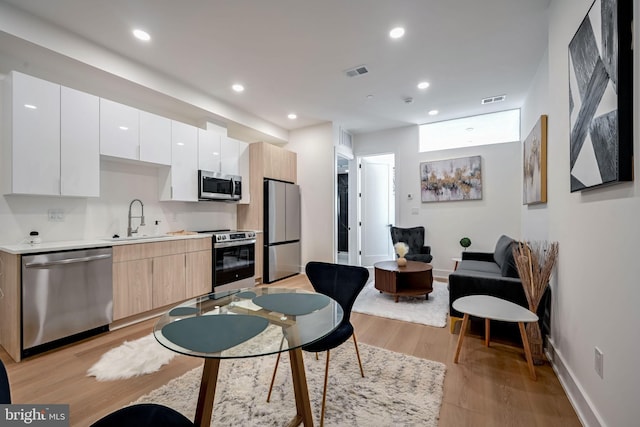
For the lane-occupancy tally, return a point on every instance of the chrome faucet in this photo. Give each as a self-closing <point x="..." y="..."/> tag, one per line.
<point x="130" y="230"/>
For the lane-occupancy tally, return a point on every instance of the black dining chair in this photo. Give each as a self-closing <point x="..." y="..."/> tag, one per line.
<point x="144" y="415"/>
<point x="342" y="283"/>
<point x="5" y="390"/>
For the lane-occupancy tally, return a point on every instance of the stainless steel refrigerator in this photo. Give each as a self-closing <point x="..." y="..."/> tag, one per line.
<point x="281" y="230"/>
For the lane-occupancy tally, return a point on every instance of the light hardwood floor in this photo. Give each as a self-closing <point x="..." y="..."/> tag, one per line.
<point x="489" y="387"/>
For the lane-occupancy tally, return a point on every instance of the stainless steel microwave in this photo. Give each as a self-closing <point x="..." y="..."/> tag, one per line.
<point x="219" y="186"/>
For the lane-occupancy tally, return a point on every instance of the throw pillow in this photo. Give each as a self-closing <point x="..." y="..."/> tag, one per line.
<point x="509" y="268"/>
<point x="503" y="246"/>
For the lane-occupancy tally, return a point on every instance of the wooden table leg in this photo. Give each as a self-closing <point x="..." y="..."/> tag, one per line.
<point x="207" y="392"/>
<point x="463" y="330"/>
<point x="527" y="350"/>
<point x="487" y="332"/>
<point x="303" y="405"/>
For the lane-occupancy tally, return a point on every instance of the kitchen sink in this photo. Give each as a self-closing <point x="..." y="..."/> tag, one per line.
<point x="141" y="237"/>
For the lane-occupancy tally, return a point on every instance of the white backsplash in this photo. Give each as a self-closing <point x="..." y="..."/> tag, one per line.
<point x="88" y="218"/>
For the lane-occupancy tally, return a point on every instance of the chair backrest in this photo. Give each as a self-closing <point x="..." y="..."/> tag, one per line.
<point x="5" y="390"/>
<point x="413" y="237"/>
<point x="343" y="283"/>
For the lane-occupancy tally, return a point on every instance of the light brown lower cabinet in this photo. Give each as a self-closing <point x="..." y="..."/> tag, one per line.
<point x="152" y="275"/>
<point x="168" y="279"/>
<point x="199" y="275"/>
<point x="131" y="287"/>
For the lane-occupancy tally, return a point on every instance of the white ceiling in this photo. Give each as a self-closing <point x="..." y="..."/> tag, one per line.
<point x="291" y="54"/>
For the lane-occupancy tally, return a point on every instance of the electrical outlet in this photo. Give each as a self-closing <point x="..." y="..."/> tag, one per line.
<point x="599" y="362"/>
<point x="55" y="215"/>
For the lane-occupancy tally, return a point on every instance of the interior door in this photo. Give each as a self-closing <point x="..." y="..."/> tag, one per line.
<point x="377" y="208"/>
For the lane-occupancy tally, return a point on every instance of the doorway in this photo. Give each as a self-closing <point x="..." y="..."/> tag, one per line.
<point x="342" y="209"/>
<point x="376" y="208"/>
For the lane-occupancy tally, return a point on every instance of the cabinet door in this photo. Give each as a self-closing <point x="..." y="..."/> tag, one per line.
<point x="35" y="138"/>
<point x="184" y="162"/>
<point x="208" y="150"/>
<point x="118" y="130"/>
<point x="79" y="143"/>
<point x="132" y="288"/>
<point x="168" y="280"/>
<point x="229" y="155"/>
<point x="244" y="169"/>
<point x="155" y="138"/>
<point x="199" y="273"/>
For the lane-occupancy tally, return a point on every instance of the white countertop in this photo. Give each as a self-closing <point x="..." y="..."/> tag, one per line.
<point x="26" y="248"/>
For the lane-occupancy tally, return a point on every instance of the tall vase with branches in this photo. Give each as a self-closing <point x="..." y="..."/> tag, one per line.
<point x="535" y="261"/>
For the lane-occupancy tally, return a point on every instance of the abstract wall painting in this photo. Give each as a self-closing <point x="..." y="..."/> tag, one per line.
<point x="534" y="164"/>
<point x="452" y="179"/>
<point x="600" y="96"/>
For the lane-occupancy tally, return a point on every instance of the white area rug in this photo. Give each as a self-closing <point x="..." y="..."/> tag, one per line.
<point x="432" y="312"/>
<point x="398" y="390"/>
<point x="132" y="358"/>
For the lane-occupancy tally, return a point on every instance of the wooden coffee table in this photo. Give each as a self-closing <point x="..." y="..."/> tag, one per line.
<point x="416" y="278"/>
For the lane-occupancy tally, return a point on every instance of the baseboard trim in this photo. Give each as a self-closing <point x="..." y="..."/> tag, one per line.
<point x="587" y="413"/>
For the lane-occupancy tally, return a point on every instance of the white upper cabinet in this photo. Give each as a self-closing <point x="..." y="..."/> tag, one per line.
<point x="208" y="150"/>
<point x="180" y="182"/>
<point x="119" y="135"/>
<point x="229" y="155"/>
<point x="79" y="143"/>
<point x="32" y="127"/>
<point x="52" y="141"/>
<point x="155" y="138"/>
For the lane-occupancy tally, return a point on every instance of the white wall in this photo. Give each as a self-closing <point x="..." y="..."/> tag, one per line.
<point x="483" y="221"/>
<point x="314" y="146"/>
<point x="597" y="293"/>
<point x="88" y="218"/>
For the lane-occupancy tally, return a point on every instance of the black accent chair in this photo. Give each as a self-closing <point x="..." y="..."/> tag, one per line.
<point x="5" y="390"/>
<point x="343" y="283"/>
<point x="144" y="415"/>
<point x="414" y="238"/>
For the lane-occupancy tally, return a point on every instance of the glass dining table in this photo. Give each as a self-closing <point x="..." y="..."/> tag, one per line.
<point x="250" y="322"/>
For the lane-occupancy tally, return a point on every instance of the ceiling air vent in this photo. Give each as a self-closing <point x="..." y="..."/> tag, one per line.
<point x="492" y="99"/>
<point x="357" y="71"/>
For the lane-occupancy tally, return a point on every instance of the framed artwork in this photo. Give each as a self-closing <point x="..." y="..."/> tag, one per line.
<point x="600" y="96"/>
<point x="534" y="164"/>
<point x="452" y="179"/>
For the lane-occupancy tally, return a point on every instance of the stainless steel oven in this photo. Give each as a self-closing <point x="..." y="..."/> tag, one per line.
<point x="234" y="259"/>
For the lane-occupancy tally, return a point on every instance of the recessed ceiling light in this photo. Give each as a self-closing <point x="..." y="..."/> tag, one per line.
<point x="369" y="96"/>
<point x="30" y="106"/>
<point x="141" y="35"/>
<point x="238" y="87"/>
<point x="123" y="128"/>
<point x="180" y="143"/>
<point x="293" y="116"/>
<point x="423" y="85"/>
<point x="433" y="112"/>
<point x="396" y="33"/>
<point x="469" y="129"/>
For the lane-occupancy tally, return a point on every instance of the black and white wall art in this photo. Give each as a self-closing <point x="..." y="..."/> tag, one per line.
<point x="600" y="96"/>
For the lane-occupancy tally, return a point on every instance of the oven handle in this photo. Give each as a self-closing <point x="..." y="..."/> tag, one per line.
<point x="234" y="243"/>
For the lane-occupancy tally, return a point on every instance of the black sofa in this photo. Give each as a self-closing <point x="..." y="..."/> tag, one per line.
<point x="495" y="274"/>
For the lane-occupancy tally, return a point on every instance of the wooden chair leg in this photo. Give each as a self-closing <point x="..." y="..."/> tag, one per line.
<point x="273" y="378"/>
<point x="324" y="390"/>
<point x="355" y="342"/>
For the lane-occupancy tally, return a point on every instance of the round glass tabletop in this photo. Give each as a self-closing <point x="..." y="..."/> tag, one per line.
<point x="247" y="322"/>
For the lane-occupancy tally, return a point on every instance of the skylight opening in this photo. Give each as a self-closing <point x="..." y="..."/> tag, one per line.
<point x="484" y="129"/>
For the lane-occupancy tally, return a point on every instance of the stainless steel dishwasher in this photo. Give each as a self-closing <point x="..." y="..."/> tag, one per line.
<point x="65" y="295"/>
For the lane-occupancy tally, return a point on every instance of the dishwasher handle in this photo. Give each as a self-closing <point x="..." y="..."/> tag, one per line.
<point x="66" y="261"/>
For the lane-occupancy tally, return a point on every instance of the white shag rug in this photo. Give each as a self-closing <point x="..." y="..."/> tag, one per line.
<point x="142" y="356"/>
<point x="431" y="312"/>
<point x="398" y="390"/>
